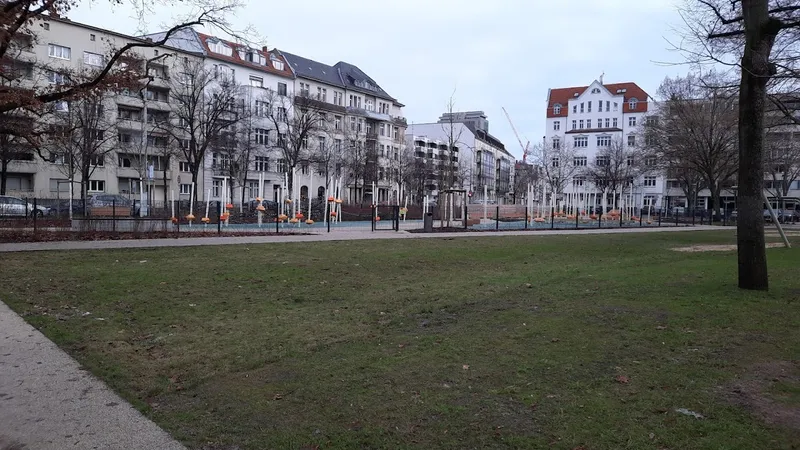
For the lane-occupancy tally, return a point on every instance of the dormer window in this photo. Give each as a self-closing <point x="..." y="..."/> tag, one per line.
<point x="219" y="47"/>
<point x="632" y="103"/>
<point x="276" y="63"/>
<point x="557" y="108"/>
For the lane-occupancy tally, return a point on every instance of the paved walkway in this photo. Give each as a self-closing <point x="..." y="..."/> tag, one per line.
<point x="48" y="402"/>
<point x="333" y="236"/>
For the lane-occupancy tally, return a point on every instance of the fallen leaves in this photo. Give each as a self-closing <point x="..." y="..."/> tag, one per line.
<point x="465" y="367"/>
<point x="622" y="379"/>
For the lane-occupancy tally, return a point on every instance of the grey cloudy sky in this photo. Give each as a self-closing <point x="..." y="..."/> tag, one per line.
<point x="493" y="54"/>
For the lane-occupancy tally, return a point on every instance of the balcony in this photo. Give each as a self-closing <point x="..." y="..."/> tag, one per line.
<point x="129" y="124"/>
<point x="129" y="100"/>
<point x="372" y="135"/>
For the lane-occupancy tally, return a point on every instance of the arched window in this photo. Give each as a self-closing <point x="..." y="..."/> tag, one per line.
<point x="632" y="103"/>
<point x="321" y="192"/>
<point x="557" y="108"/>
<point x="304" y="192"/>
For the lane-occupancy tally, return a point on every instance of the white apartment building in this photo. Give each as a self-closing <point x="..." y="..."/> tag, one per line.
<point x="135" y="159"/>
<point x="360" y="113"/>
<point x="484" y="164"/>
<point x="589" y="118"/>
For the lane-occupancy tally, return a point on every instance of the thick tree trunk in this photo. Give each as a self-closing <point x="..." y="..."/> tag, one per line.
<point x="756" y="71"/>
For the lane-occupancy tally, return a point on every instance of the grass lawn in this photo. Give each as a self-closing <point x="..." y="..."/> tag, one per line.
<point x="567" y="342"/>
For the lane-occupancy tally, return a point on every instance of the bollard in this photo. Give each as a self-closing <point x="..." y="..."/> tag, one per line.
<point x="219" y="217"/>
<point x="35" y="213"/>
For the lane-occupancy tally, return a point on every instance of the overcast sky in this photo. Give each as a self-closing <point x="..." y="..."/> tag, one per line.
<point x="492" y="54"/>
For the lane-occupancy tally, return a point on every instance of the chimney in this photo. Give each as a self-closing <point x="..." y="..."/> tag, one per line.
<point x="264" y="49"/>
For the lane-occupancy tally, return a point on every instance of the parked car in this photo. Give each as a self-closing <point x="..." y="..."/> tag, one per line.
<point x="269" y="205"/>
<point x="783" y="215"/>
<point x="15" y="206"/>
<point x="121" y="203"/>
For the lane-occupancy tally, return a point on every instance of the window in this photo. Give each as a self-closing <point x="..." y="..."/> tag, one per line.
<point x="277" y="64"/>
<point x="183" y="166"/>
<point x="281" y="165"/>
<point x="580" y="124"/>
<point x="632" y="103"/>
<point x="91" y="37"/>
<point x="578" y="181"/>
<point x="304" y="89"/>
<point x="574" y="124"/>
<point x="219" y="47"/>
<point x="574" y="109"/>
<point x="261" y="108"/>
<point x="261" y="164"/>
<point x="589" y="107"/>
<point x="262" y="136"/>
<point x="650" y="161"/>
<point x="595" y="91"/>
<point x="555" y="162"/>
<point x="282" y="116"/>
<point x="603" y="141"/>
<point x="157" y="95"/>
<point x="556" y="125"/>
<point x="281" y="88"/>
<point x="650" y="181"/>
<point x="98" y="160"/>
<point x="602" y="161"/>
<point x="581" y="141"/>
<point x="608" y="123"/>
<point x="615" y="124"/>
<point x="629" y="161"/>
<point x="337" y="123"/>
<point x="615" y="106"/>
<point x="57" y="78"/>
<point x="369" y="104"/>
<point x="125" y="161"/>
<point x="321" y="142"/>
<point x="395" y="132"/>
<point x="281" y="141"/>
<point x="632" y="121"/>
<point x="186" y="189"/>
<point x="588" y="123"/>
<point x="46" y="26"/>
<point x="256" y="82"/>
<point x="581" y="108"/>
<point x="96" y="135"/>
<point x="129" y="114"/>
<point x="579" y="161"/>
<point x="224" y="72"/>
<point x="556" y="144"/>
<point x="61" y="106"/>
<point x="322" y="94"/>
<point x="338" y="98"/>
<point x="93" y="59"/>
<point x="352" y="124"/>
<point x="360" y="125"/>
<point x="252" y="188"/>
<point x="608" y="106"/>
<point x="631" y="140"/>
<point x="216" y="188"/>
<point x="304" y="142"/>
<point x="96" y="185"/>
<point x="59" y="51"/>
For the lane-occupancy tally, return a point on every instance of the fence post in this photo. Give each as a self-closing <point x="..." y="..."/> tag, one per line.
<point x="552" y="217"/>
<point x="497" y="218"/>
<point x="660" y="214"/>
<point x="372" y="216"/>
<point x="397" y="218"/>
<point x="640" y="219"/>
<point x="600" y="220"/>
<point x="693" y="217"/>
<point x="278" y="223"/>
<point x="526" y="217"/>
<point x="35" y="213"/>
<point x="219" y="217"/>
<point x="620" y="219"/>
<point x="466" y="216"/>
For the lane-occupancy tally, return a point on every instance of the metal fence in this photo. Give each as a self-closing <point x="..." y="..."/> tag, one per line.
<point x="319" y="216"/>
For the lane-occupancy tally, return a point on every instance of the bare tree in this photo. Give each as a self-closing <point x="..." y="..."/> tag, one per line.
<point x="694" y="130"/>
<point x="248" y="140"/>
<point x="81" y="138"/>
<point x="782" y="154"/>
<point x="557" y="162"/>
<point x="327" y="157"/>
<point x="525" y="175"/>
<point x="297" y="120"/>
<point x="20" y="21"/>
<point x="452" y="131"/>
<point x="758" y="39"/>
<point x="615" y="168"/>
<point x="15" y="145"/>
<point x="207" y="107"/>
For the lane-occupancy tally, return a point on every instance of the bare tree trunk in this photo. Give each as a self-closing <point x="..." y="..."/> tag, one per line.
<point x="756" y="71"/>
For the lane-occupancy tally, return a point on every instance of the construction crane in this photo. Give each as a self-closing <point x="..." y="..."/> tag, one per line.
<point x="524" y="147"/>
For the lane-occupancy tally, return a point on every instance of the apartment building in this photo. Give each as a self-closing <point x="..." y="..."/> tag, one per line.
<point x="593" y="118"/>
<point x="362" y="117"/>
<point x="483" y="163"/>
<point x="134" y="156"/>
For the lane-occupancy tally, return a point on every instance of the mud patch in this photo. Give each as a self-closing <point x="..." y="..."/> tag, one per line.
<point x="755" y="392"/>
<point x="717" y="248"/>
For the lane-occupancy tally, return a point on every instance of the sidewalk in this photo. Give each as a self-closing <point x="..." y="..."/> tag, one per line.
<point x="333" y="236"/>
<point x="48" y="402"/>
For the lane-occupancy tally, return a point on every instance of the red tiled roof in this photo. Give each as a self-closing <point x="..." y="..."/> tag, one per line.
<point x="235" y="59"/>
<point x="562" y="96"/>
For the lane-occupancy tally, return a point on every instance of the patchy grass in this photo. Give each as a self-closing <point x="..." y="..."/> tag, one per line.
<point x="502" y="342"/>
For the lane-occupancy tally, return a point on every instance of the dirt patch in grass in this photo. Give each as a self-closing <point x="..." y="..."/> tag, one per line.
<point x="769" y="391"/>
<point x="717" y="248"/>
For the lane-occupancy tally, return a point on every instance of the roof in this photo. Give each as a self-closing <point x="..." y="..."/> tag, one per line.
<point x="562" y="96"/>
<point x="486" y="137"/>
<point x="341" y="74"/>
<point x="235" y="59"/>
